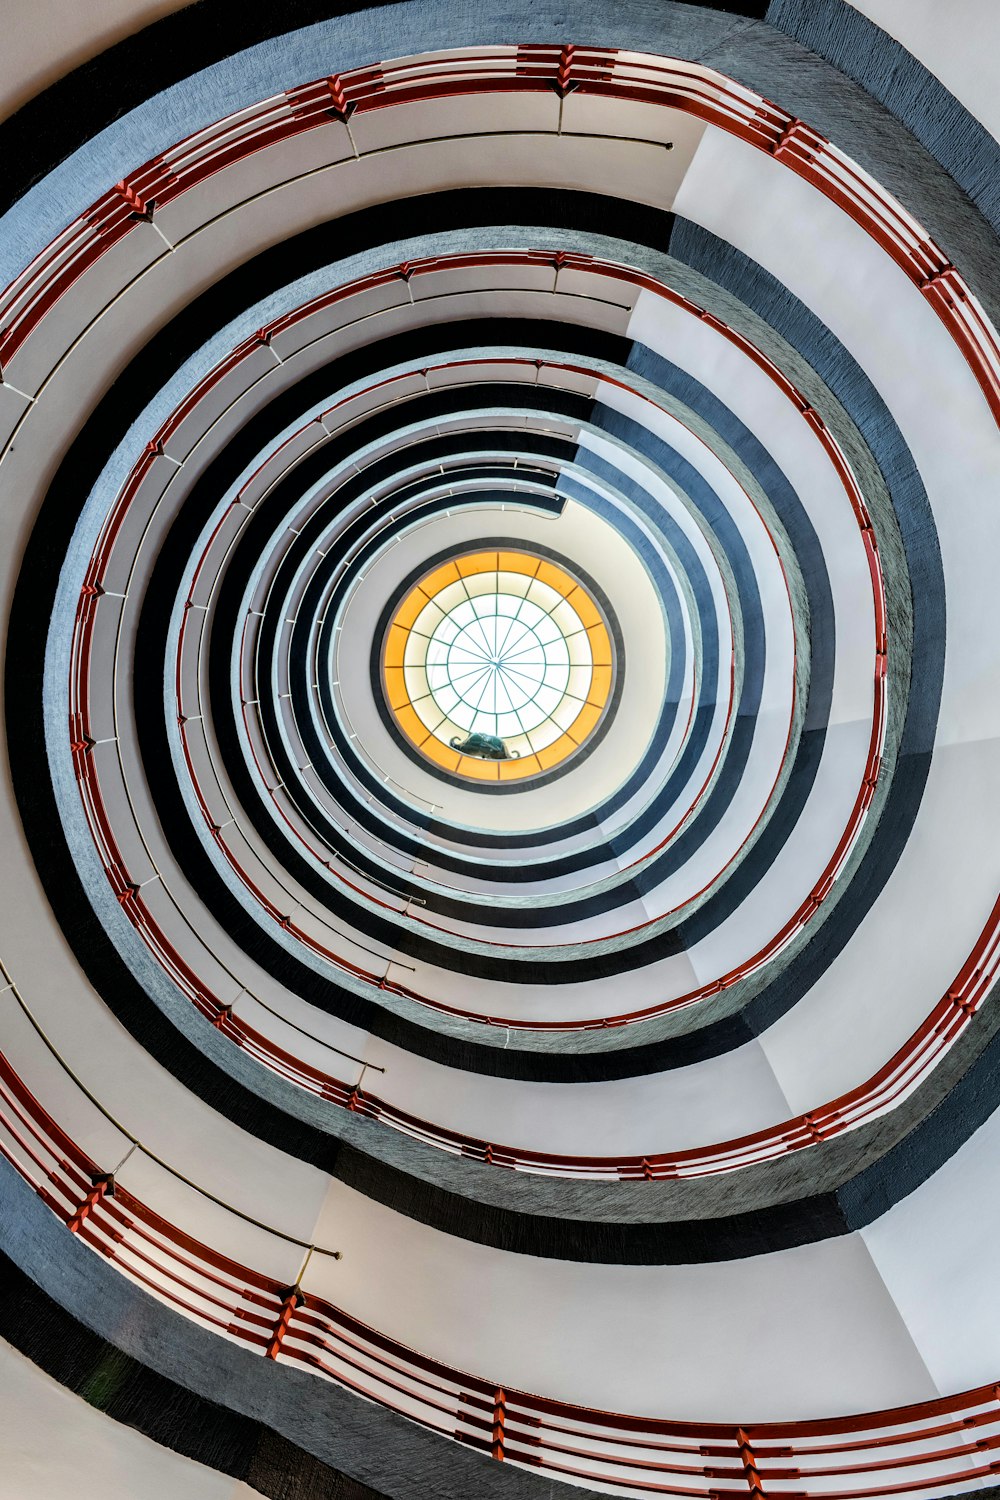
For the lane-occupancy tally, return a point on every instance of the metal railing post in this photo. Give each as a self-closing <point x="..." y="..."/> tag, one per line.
<point x="499" y="1418"/>
<point x="102" y="1186"/>
<point x="749" y="1463"/>
<point x="293" y="1301"/>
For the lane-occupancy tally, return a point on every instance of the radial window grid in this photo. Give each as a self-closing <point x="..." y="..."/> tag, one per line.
<point x="504" y="644"/>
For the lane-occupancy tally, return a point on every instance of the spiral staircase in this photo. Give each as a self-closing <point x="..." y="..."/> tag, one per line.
<point x="499" y="955"/>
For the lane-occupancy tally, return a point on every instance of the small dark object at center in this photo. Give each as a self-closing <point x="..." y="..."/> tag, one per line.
<point x="486" y="746"/>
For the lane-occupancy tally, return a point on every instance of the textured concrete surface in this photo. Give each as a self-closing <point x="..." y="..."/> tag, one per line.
<point x="215" y="1381"/>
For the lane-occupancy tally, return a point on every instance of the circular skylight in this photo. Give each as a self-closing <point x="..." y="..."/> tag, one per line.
<point x="498" y="665"/>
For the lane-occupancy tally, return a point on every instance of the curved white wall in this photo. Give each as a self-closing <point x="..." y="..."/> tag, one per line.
<point x="957" y="41"/>
<point x="45" y="39"/>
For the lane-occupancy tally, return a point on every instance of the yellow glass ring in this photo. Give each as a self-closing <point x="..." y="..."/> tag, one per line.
<point x="497" y="666"/>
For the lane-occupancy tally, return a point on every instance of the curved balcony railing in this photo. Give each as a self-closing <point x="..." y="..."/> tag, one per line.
<point x="662" y="81"/>
<point x="926" y="1449"/>
<point x="251" y="710"/>
<point x="880" y="1093"/>
<point x="252" y="716"/>
<point x="901" y="1075"/>
<point x="909" y="1066"/>
<point x="606" y="73"/>
<point x="29" y="298"/>
<point x="807" y="909"/>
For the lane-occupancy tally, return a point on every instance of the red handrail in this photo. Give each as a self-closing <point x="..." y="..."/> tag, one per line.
<point x="807" y="909"/>
<point x="662" y="82"/>
<point x="894" y="1452"/>
<point x="659" y="81"/>
<point x="924" y="1048"/>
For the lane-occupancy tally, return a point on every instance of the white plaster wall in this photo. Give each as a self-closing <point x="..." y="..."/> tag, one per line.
<point x="688" y="1341"/>
<point x="926" y="921"/>
<point x="958" y="42"/>
<point x="45" y="39"/>
<point x="55" y="1444"/>
<point x="936" y="1253"/>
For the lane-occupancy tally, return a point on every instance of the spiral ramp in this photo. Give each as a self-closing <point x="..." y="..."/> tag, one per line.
<point x="501" y="922"/>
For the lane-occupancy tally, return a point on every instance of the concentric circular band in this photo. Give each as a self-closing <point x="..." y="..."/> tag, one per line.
<point x="496" y="703"/>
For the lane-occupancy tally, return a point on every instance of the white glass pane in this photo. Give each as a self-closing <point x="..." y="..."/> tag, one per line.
<point x="481" y="583"/>
<point x="514" y="585"/>
<point x="545" y="734"/>
<point x="450" y="595"/>
<point x="565" y="712"/>
<point x="429" y="619"/>
<point x="580" y="679"/>
<point x="415" y="681"/>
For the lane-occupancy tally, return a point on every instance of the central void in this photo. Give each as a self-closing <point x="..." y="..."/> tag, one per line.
<point x="498" y="656"/>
